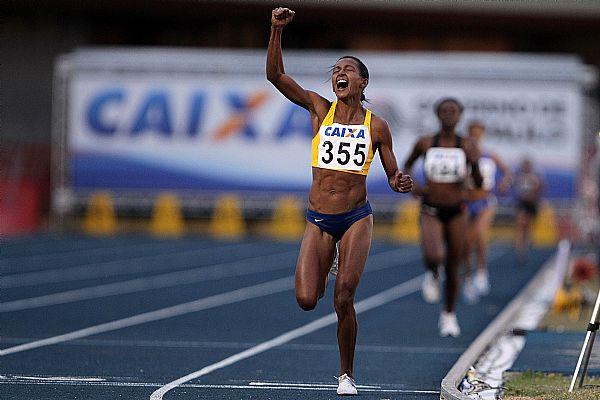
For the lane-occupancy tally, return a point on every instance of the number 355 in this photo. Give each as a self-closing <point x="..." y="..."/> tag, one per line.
<point x="343" y="153"/>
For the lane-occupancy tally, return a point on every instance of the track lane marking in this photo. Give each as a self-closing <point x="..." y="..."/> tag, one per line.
<point x="122" y="382"/>
<point x="89" y="244"/>
<point x="234" y="296"/>
<point x="7" y="264"/>
<point x="401" y="290"/>
<point x="201" y="274"/>
<point x="211" y="345"/>
<point x="108" y="269"/>
<point x="171" y="279"/>
<point x="246" y="293"/>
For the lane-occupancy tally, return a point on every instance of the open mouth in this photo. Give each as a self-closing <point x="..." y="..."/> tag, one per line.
<point x="341" y="84"/>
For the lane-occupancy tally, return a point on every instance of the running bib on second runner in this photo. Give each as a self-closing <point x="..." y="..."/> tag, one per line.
<point x="445" y="164"/>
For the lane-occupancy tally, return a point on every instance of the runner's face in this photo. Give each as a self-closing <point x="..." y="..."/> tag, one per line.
<point x="346" y="80"/>
<point x="449" y="114"/>
<point x="476" y="133"/>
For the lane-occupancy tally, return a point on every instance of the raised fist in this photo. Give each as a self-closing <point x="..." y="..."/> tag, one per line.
<point x="280" y="17"/>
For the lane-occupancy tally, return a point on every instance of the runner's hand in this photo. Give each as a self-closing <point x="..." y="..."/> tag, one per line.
<point x="403" y="182"/>
<point x="280" y="17"/>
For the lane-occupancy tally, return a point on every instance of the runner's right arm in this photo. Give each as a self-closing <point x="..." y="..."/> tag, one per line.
<point x="313" y="102"/>
<point x="417" y="151"/>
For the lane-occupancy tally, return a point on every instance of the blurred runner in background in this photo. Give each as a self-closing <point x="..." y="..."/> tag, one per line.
<point x="448" y="158"/>
<point x="529" y="186"/>
<point x="482" y="208"/>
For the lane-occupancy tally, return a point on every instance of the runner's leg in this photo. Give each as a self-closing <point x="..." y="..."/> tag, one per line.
<point x="354" y="250"/>
<point x="314" y="261"/>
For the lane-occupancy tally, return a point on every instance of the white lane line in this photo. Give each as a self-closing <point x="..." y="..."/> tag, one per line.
<point x="33" y="246"/>
<point x="243" y="267"/>
<point x="127" y="382"/>
<point x="7" y="261"/>
<point x="234" y="296"/>
<point x="295" y="384"/>
<point x="310" y="388"/>
<point x="208" y="386"/>
<point x="185" y="308"/>
<point x="55" y="378"/>
<point x="391" y="294"/>
<point x="117" y="267"/>
<point x="8" y="264"/>
<point x="244" y="345"/>
<point x="202" y="274"/>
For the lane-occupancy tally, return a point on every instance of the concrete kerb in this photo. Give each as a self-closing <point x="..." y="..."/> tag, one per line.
<point x="500" y="325"/>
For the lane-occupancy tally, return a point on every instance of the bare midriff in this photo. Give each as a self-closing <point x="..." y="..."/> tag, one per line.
<point x="444" y="194"/>
<point x="336" y="192"/>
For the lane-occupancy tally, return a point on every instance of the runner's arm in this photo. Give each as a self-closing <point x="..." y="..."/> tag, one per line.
<point x="307" y="99"/>
<point x="506" y="174"/>
<point x="473" y="154"/>
<point x="398" y="181"/>
<point x="417" y="151"/>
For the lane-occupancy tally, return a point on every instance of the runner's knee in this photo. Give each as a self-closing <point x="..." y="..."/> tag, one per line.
<point x="306" y="302"/>
<point x="344" y="296"/>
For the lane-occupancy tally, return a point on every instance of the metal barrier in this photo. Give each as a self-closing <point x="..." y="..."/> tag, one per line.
<point x="500" y="325"/>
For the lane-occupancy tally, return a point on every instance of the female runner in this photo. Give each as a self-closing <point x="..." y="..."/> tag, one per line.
<point x="447" y="157"/>
<point x="482" y="208"/>
<point x="346" y="135"/>
<point x="529" y="186"/>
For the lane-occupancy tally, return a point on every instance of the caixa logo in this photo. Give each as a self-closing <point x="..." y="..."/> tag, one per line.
<point x="107" y="113"/>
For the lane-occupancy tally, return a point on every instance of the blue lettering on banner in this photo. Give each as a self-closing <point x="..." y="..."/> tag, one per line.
<point x="241" y="106"/>
<point x="296" y="121"/>
<point x="97" y="105"/>
<point x="154" y="115"/>
<point x="361" y="134"/>
<point x="196" y="111"/>
<point x="336" y="132"/>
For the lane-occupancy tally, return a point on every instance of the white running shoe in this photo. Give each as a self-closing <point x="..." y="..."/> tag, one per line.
<point x="346" y="386"/>
<point x="430" y="288"/>
<point x="334" y="265"/>
<point x="448" y="325"/>
<point x="482" y="282"/>
<point x="470" y="293"/>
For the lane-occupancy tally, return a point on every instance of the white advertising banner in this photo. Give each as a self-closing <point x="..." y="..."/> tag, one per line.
<point x="144" y="126"/>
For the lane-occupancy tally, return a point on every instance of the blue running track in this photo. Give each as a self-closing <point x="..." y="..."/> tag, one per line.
<point x="67" y="332"/>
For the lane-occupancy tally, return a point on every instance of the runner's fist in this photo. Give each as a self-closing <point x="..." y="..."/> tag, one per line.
<point x="280" y="17"/>
<point x="402" y="182"/>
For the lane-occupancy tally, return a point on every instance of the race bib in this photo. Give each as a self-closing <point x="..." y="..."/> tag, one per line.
<point x="445" y="164"/>
<point x="343" y="147"/>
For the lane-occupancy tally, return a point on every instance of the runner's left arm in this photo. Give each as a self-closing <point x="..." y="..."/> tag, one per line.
<point x="473" y="153"/>
<point x="506" y="174"/>
<point x="398" y="181"/>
